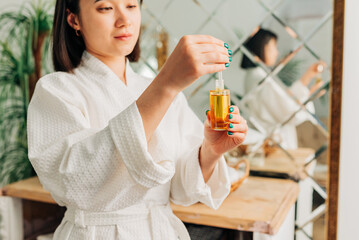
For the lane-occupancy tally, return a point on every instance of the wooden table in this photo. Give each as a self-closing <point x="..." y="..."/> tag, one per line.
<point x="258" y="205"/>
<point x="279" y="164"/>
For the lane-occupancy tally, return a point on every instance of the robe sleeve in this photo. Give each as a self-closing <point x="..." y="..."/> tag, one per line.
<point x="188" y="185"/>
<point x="302" y="93"/>
<point x="81" y="165"/>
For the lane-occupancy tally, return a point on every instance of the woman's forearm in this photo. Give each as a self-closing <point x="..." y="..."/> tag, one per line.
<point x="207" y="160"/>
<point x="306" y="78"/>
<point x="154" y="103"/>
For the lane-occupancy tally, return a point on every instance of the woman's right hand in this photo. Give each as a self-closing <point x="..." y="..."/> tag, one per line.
<point x="193" y="57"/>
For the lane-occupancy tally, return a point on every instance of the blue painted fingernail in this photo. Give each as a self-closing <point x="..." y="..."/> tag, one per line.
<point x="226" y="45"/>
<point x="231" y="109"/>
<point x="230" y="59"/>
<point x="230" y="133"/>
<point x="230" y="52"/>
<point x="230" y="125"/>
<point x="227" y="64"/>
<point x="230" y="116"/>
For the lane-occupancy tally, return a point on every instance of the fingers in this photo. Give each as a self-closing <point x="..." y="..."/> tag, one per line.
<point x="241" y="127"/>
<point x="213" y="54"/>
<point x="207" y="48"/>
<point x="318" y="67"/>
<point x="208" y="114"/>
<point x="237" y="127"/>
<point x="236" y="122"/>
<point x="238" y="136"/>
<point x="322" y="63"/>
<point x="193" y="57"/>
<point x="215" y="58"/>
<point x="235" y="118"/>
<point x="234" y="109"/>
<point x="202" y="39"/>
<point x="209" y="54"/>
<point x="212" y="68"/>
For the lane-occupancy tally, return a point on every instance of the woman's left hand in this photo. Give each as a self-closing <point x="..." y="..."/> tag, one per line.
<point x="223" y="141"/>
<point x="311" y="72"/>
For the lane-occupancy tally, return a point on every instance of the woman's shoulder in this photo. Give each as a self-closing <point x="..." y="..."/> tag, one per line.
<point x="256" y="73"/>
<point x="59" y="84"/>
<point x="253" y="77"/>
<point x="56" y="79"/>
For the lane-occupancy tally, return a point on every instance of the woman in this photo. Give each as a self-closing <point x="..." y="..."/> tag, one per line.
<point x="268" y="103"/>
<point x="113" y="146"/>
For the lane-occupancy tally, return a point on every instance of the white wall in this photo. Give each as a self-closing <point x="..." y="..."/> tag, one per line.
<point x="10" y="4"/>
<point x="348" y="211"/>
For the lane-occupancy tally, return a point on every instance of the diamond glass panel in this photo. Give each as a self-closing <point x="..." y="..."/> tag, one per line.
<point x="287" y="105"/>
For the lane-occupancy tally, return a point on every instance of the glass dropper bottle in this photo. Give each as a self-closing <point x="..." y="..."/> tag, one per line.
<point x="219" y="103"/>
<point x="320" y="69"/>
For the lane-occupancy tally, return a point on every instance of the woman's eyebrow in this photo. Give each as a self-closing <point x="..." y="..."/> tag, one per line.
<point x="97" y="1"/>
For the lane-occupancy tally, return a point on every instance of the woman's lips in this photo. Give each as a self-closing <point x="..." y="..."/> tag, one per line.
<point x="124" y="37"/>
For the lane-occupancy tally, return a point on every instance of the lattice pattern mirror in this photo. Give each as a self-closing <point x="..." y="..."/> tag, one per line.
<point x="284" y="99"/>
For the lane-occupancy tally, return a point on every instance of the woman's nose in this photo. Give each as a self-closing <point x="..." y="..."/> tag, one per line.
<point x="122" y="19"/>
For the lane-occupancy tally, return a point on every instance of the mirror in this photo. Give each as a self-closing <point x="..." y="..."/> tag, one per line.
<point x="285" y="99"/>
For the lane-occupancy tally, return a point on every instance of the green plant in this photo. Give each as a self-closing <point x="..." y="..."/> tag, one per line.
<point x="291" y="72"/>
<point x="1" y="237"/>
<point x="23" y="55"/>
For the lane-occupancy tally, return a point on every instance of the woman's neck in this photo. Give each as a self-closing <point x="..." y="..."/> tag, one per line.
<point x="117" y="64"/>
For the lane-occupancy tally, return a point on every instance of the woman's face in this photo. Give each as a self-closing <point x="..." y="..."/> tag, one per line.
<point x="110" y="27"/>
<point x="271" y="52"/>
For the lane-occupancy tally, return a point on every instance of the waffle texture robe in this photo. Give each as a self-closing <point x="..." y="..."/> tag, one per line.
<point x="87" y="144"/>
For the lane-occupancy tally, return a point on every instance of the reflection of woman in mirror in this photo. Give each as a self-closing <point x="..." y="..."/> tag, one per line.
<point x="113" y="146"/>
<point x="269" y="103"/>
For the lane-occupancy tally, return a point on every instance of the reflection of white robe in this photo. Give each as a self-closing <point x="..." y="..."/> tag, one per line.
<point x="271" y="105"/>
<point x="88" y="146"/>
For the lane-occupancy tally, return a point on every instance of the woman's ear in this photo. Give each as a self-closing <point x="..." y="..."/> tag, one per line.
<point x="73" y="20"/>
<point x="257" y="59"/>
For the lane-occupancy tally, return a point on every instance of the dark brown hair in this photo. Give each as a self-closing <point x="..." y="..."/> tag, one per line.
<point x="67" y="48"/>
<point x="256" y="45"/>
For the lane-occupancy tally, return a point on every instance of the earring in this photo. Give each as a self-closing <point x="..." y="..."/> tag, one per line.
<point x="78" y="33"/>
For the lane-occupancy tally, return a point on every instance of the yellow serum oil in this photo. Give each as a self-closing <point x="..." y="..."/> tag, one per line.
<point x="219" y="103"/>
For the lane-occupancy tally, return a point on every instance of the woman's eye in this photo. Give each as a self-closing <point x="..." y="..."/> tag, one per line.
<point x="132" y="6"/>
<point x="105" y="8"/>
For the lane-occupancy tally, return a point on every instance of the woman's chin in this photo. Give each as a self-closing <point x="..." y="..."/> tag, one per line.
<point x="120" y="52"/>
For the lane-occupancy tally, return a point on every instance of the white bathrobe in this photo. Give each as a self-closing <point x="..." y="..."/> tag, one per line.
<point x="270" y="105"/>
<point x="88" y="146"/>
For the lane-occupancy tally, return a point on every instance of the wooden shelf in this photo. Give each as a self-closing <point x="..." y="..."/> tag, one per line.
<point x="30" y="189"/>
